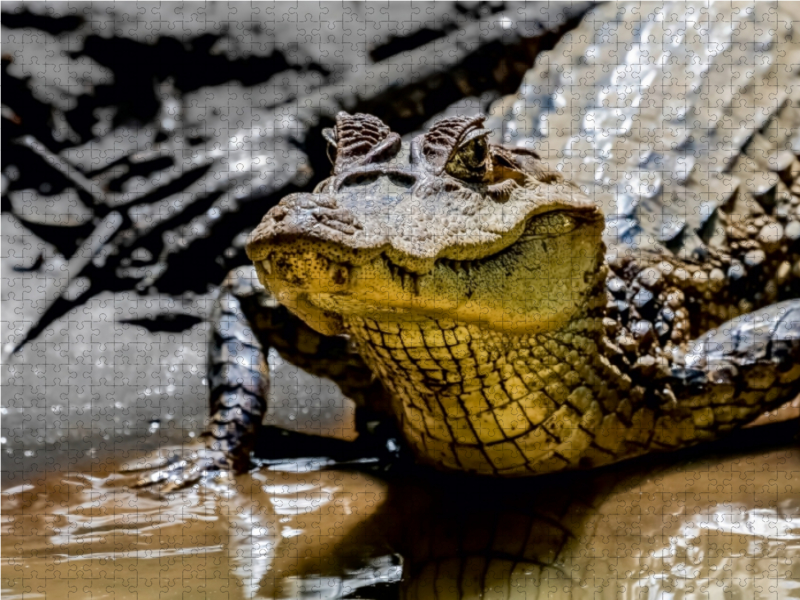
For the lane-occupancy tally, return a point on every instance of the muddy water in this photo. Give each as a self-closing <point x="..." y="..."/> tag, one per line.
<point x="89" y="535"/>
<point x="722" y="523"/>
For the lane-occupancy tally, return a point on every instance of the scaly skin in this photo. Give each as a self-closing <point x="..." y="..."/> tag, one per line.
<point x="490" y="339"/>
<point x="476" y="284"/>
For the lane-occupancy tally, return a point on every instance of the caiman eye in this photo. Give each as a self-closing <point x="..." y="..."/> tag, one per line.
<point x="550" y="224"/>
<point x="471" y="161"/>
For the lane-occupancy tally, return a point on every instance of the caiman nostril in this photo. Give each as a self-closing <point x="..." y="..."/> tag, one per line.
<point x="325" y="201"/>
<point x="341" y="220"/>
<point x="278" y="213"/>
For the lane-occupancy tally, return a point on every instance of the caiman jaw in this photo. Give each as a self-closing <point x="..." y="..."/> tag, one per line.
<point x="527" y="286"/>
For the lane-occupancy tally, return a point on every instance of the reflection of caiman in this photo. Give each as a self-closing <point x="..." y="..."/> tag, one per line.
<point x="475" y="282"/>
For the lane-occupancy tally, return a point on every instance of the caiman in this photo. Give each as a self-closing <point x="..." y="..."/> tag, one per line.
<point x="603" y="267"/>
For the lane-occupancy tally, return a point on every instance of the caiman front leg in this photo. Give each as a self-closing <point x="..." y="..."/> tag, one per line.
<point x="246" y="323"/>
<point x="238" y="387"/>
<point x="731" y="375"/>
<point x="326" y="357"/>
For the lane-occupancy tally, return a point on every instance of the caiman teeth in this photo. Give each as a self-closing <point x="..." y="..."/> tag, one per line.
<point x="407" y="280"/>
<point x="267" y="266"/>
<point x="411" y="280"/>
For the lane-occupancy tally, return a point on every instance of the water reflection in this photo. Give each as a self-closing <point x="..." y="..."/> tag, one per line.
<point x="678" y="526"/>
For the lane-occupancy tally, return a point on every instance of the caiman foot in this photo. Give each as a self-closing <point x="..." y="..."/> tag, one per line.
<point x="182" y="468"/>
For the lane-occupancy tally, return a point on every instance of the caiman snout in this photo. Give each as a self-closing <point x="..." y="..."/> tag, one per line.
<point x="309" y="242"/>
<point x="298" y="216"/>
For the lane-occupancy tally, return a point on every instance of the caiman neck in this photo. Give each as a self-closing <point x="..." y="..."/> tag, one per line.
<point x="461" y="390"/>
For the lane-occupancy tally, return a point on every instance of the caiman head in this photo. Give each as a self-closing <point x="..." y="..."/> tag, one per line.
<point x="449" y="226"/>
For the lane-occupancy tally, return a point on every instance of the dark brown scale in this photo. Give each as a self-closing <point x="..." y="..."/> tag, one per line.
<point x="355" y="136"/>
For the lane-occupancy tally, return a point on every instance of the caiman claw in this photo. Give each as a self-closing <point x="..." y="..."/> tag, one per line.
<point x="182" y="468"/>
